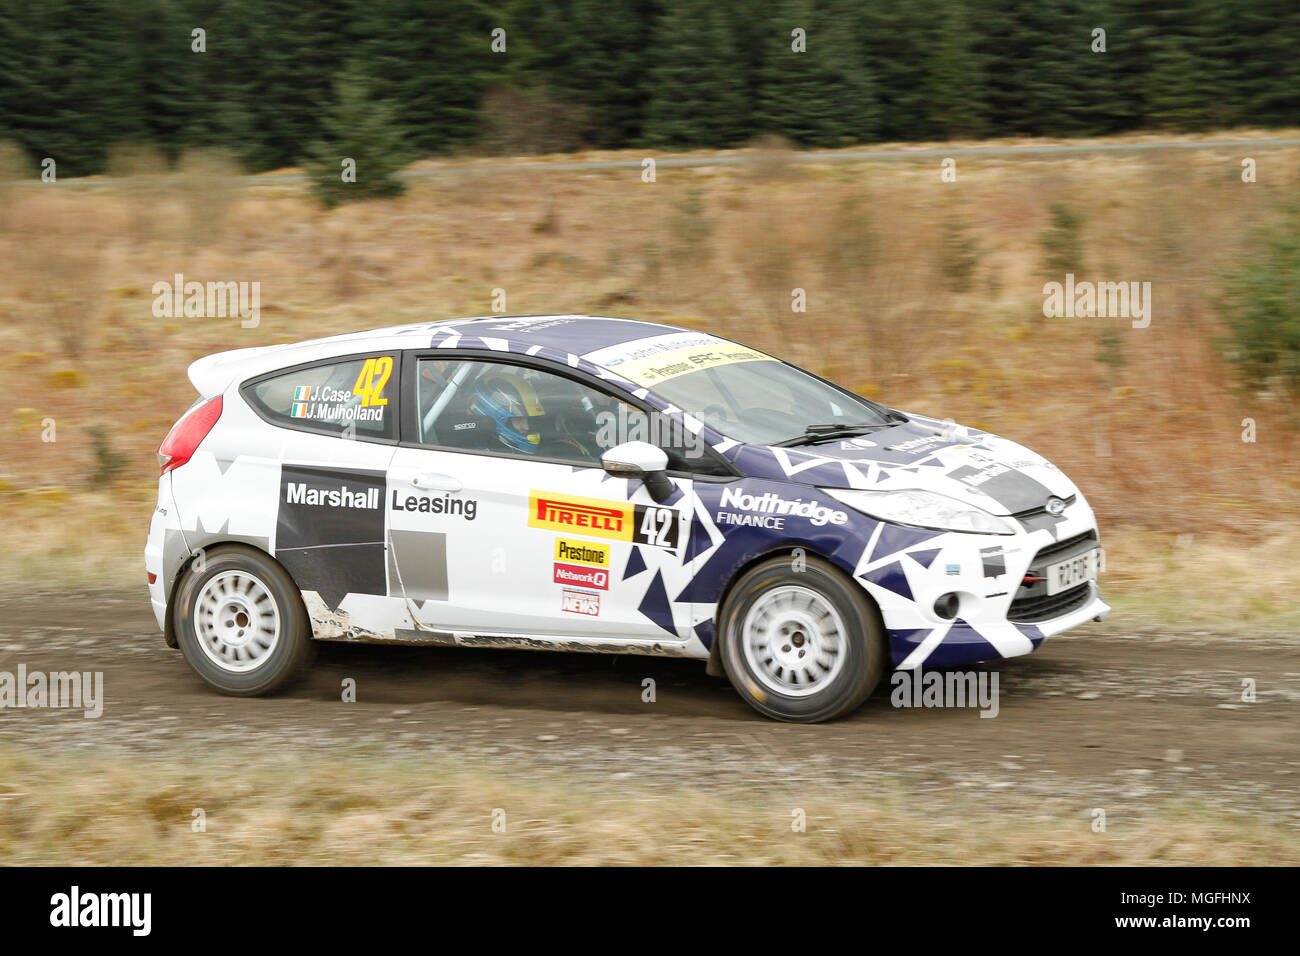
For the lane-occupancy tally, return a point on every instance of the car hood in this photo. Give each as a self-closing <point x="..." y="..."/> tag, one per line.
<point x="998" y="475"/>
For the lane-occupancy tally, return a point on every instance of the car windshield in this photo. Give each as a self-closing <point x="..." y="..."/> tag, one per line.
<point x="766" y="402"/>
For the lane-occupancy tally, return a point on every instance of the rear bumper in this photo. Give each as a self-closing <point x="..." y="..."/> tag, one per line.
<point x="165" y="551"/>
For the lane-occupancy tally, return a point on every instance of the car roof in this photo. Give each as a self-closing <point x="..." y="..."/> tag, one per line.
<point x="570" y="334"/>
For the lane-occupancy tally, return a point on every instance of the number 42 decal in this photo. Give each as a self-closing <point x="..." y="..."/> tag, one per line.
<point x="372" y="380"/>
<point x="660" y="527"/>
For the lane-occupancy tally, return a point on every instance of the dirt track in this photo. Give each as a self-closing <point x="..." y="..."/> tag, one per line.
<point x="1099" y="717"/>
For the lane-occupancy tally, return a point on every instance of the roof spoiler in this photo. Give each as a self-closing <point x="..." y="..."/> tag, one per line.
<point x="212" y="373"/>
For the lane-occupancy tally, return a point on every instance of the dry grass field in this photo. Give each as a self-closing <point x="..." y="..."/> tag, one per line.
<point x="925" y="294"/>
<point x="369" y="810"/>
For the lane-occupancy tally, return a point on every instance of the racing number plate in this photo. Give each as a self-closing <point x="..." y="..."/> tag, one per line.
<point x="1073" y="572"/>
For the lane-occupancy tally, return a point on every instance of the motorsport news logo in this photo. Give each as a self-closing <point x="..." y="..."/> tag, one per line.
<point x="641" y="524"/>
<point x="580" y="602"/>
<point x="769" y="510"/>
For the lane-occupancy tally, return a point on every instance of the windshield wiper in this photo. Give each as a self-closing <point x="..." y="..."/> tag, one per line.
<point x="815" y="433"/>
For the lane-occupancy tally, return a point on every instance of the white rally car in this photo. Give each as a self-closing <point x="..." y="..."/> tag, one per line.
<point x="581" y="483"/>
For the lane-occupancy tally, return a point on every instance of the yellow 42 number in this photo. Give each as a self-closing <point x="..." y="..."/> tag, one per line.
<point x="373" y="378"/>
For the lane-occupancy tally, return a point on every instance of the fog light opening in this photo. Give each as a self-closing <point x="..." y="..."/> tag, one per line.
<point x="947" y="605"/>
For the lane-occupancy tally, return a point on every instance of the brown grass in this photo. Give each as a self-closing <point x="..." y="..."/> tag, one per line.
<point x="359" y="809"/>
<point x="1155" y="442"/>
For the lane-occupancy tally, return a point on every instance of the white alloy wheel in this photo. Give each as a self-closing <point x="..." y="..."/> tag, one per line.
<point x="794" y="640"/>
<point x="236" y="621"/>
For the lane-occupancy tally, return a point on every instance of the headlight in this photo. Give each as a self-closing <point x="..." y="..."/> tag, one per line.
<point x="923" y="509"/>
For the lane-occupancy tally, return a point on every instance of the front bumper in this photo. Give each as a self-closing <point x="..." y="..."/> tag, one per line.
<point x="1000" y="614"/>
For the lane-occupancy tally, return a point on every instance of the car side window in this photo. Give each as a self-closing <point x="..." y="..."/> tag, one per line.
<point x="509" y="409"/>
<point x="354" y="396"/>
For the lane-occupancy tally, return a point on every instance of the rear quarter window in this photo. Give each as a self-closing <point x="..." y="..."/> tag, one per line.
<point x="353" y="397"/>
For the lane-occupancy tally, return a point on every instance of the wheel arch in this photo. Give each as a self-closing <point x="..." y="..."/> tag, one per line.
<point x="187" y="566"/>
<point x="714" y="666"/>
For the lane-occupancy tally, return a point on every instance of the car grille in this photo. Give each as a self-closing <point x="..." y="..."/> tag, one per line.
<point x="1047" y="555"/>
<point x="1031" y="603"/>
<point x="1027" y="610"/>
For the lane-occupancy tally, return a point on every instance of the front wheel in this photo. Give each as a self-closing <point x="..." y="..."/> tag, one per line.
<point x="800" y="642"/>
<point x="240" y="622"/>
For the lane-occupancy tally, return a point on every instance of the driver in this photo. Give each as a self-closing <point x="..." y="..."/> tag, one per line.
<point x="511" y="403"/>
<point x="561" y="427"/>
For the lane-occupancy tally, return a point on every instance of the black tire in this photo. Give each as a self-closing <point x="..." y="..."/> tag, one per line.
<point x="292" y="650"/>
<point x="864" y="645"/>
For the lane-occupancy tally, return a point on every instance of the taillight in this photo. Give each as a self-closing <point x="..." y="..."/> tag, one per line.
<point x="186" y="435"/>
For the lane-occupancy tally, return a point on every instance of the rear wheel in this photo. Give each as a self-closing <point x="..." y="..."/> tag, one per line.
<point x="240" y="622"/>
<point x="801" y="643"/>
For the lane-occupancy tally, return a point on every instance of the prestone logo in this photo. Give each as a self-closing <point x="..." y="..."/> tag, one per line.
<point x="73" y="690"/>
<point x="772" y="504"/>
<point x="912" y="688"/>
<point x="582" y="552"/>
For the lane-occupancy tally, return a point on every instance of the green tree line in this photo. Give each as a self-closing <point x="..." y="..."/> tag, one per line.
<point x="275" y="78"/>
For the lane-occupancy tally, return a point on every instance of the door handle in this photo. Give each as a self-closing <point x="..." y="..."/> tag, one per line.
<point x="434" y="481"/>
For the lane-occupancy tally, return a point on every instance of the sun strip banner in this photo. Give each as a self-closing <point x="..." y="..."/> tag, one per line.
<point x="649" y="361"/>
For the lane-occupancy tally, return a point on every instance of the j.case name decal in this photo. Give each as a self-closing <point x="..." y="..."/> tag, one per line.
<point x="582" y="552"/>
<point x="643" y="524"/>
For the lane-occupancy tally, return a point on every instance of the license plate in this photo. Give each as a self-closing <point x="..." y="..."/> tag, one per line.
<point x="1068" y="574"/>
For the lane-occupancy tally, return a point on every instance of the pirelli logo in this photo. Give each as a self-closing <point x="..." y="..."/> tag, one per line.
<point x="607" y="519"/>
<point x="595" y="518"/>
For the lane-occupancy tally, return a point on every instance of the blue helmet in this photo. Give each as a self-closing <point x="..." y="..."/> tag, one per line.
<point x="510" y="402"/>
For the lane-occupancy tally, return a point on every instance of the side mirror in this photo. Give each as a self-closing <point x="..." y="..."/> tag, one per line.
<point x="638" y="459"/>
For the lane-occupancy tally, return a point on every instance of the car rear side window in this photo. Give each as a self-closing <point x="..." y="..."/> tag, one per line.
<point x="355" y="397"/>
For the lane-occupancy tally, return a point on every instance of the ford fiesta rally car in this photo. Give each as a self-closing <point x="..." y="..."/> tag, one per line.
<point x="581" y="483"/>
